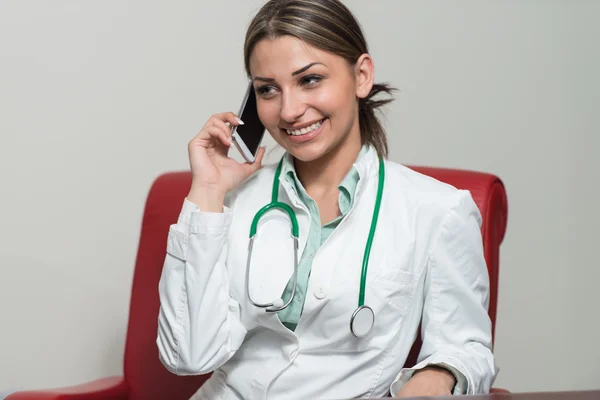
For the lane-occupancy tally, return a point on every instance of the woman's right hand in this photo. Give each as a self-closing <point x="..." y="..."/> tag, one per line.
<point x="214" y="173"/>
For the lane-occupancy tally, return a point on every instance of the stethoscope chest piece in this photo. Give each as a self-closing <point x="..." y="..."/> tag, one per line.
<point x="362" y="321"/>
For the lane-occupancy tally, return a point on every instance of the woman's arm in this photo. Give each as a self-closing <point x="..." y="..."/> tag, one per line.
<point x="199" y="327"/>
<point x="456" y="328"/>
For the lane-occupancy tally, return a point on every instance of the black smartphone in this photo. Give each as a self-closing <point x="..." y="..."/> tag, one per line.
<point x="247" y="137"/>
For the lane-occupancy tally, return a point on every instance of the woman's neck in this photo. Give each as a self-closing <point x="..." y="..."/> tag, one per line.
<point x="325" y="174"/>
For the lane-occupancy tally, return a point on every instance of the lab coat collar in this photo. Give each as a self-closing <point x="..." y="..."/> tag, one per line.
<point x="367" y="164"/>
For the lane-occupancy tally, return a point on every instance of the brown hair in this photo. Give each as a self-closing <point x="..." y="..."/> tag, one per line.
<point x="330" y="26"/>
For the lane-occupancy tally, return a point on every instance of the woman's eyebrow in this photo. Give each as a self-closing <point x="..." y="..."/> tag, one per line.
<point x="301" y="70"/>
<point x="259" y="78"/>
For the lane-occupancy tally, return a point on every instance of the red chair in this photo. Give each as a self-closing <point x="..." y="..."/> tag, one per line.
<point x="144" y="376"/>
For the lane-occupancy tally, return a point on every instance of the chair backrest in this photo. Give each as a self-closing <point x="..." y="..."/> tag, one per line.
<point x="144" y="373"/>
<point x="146" y="376"/>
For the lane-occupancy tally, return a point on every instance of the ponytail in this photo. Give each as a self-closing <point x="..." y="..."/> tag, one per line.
<point x="327" y="25"/>
<point x="371" y="130"/>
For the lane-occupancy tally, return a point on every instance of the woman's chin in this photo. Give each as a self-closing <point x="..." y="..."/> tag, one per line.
<point x="308" y="153"/>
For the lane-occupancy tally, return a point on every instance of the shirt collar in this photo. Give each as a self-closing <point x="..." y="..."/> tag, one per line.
<point x="347" y="187"/>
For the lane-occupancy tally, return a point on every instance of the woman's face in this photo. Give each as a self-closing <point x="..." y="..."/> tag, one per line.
<point x="308" y="98"/>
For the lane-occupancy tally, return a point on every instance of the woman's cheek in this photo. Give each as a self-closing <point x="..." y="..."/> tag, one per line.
<point x="269" y="117"/>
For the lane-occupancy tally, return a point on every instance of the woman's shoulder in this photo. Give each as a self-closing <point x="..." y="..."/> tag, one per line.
<point x="423" y="191"/>
<point x="416" y="182"/>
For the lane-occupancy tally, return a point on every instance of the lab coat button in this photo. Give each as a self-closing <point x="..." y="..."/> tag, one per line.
<point x="321" y="292"/>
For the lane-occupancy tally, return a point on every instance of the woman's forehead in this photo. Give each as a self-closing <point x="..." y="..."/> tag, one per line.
<point x="284" y="55"/>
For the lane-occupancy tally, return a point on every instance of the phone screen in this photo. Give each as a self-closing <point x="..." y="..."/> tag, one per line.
<point x="253" y="130"/>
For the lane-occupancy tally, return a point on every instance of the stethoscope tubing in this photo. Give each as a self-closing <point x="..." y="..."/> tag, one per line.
<point x="278" y="305"/>
<point x="367" y="254"/>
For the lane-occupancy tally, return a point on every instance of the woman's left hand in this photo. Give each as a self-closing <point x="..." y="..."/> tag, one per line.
<point x="430" y="381"/>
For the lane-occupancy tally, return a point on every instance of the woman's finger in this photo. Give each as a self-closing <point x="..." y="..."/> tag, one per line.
<point x="257" y="164"/>
<point x="229" y="117"/>
<point x="225" y="126"/>
<point x="219" y="133"/>
<point x="211" y="133"/>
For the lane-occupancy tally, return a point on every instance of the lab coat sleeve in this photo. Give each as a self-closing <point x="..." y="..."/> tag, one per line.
<point x="199" y="327"/>
<point x="455" y="328"/>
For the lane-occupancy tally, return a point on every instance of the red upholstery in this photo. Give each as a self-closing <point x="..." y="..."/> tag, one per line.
<point x="144" y="375"/>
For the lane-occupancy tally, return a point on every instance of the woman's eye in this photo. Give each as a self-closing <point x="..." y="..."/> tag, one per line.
<point x="264" y="90"/>
<point x="311" y="80"/>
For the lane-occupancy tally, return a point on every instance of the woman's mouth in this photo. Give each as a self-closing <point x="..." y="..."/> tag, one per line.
<point x="307" y="133"/>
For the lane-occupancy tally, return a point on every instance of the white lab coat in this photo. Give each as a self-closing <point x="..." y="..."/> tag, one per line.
<point x="426" y="266"/>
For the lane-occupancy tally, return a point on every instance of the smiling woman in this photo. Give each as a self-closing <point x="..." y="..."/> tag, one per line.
<point x="326" y="36"/>
<point x="406" y="246"/>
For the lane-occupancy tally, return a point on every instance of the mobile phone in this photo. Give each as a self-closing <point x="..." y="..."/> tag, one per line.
<point x="247" y="137"/>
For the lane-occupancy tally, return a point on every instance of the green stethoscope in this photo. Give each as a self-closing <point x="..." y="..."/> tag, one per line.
<point x="363" y="318"/>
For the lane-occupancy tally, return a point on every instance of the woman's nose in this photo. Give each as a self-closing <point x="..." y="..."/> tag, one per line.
<point x="292" y="108"/>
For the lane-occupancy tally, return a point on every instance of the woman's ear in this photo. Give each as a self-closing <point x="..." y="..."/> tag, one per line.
<point x="365" y="75"/>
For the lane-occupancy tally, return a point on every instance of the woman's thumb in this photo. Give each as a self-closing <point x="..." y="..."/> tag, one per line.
<point x="257" y="164"/>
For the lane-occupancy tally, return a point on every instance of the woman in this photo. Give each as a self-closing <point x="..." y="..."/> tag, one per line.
<point x="313" y="80"/>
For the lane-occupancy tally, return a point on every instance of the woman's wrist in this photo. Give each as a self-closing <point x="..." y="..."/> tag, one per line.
<point x="209" y="200"/>
<point x="440" y="373"/>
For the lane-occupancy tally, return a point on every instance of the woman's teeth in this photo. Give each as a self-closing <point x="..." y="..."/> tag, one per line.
<point x="304" y="131"/>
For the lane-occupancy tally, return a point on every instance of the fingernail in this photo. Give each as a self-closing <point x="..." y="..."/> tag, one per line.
<point x="230" y="141"/>
<point x="239" y="121"/>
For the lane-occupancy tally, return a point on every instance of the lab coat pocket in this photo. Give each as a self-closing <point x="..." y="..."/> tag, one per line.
<point x="397" y="293"/>
<point x="389" y="301"/>
<point x="390" y="262"/>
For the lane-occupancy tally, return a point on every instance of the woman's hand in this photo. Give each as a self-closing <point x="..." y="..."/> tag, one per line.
<point x="430" y="381"/>
<point x="214" y="173"/>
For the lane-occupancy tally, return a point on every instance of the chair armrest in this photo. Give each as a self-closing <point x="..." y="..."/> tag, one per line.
<point x="499" y="391"/>
<point x="113" y="387"/>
